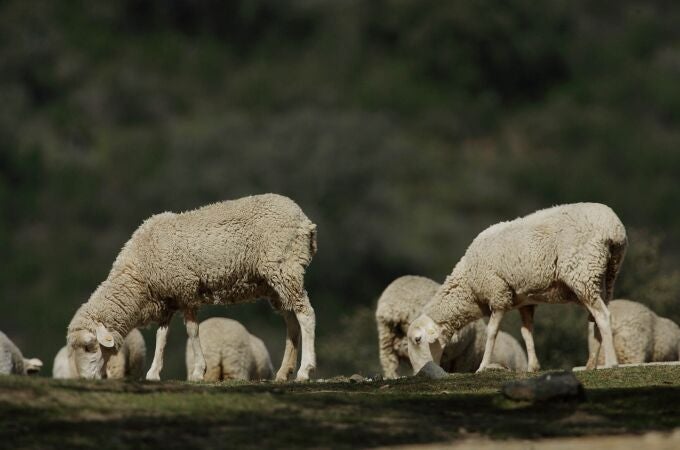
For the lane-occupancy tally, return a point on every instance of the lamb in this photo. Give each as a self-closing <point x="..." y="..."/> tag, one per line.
<point x="230" y="352"/>
<point x="228" y="252"/>
<point x="640" y="336"/>
<point x="128" y="362"/>
<point x="568" y="253"/>
<point x="13" y="362"/>
<point x="401" y="302"/>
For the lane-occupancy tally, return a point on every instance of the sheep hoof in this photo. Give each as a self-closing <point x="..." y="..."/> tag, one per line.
<point x="303" y="373"/>
<point x="534" y="368"/>
<point x="153" y="376"/>
<point x="196" y="377"/>
<point x="283" y="374"/>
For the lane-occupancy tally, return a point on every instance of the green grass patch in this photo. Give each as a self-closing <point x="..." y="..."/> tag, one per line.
<point x="45" y="413"/>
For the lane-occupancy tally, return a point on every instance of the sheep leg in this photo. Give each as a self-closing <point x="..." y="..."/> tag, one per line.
<point x="292" y="343"/>
<point x="154" y="372"/>
<point x="388" y="356"/>
<point x="305" y="316"/>
<point x="594" y="346"/>
<point x="491" y="333"/>
<point x="192" y="332"/>
<point x="527" y="314"/>
<point x="599" y="311"/>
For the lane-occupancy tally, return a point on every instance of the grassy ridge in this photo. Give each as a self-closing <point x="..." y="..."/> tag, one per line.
<point x="44" y="413"/>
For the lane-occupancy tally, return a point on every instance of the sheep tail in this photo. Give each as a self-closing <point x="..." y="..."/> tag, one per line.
<point x="312" y="239"/>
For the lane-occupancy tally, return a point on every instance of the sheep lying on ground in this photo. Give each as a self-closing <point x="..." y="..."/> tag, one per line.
<point x="640" y="336"/>
<point x="128" y="362"/>
<point x="13" y="362"/>
<point x="403" y="300"/>
<point x="228" y="252"/>
<point x="465" y="351"/>
<point x="230" y="352"/>
<point x="568" y="253"/>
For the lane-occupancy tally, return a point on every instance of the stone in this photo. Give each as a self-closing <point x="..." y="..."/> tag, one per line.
<point x="356" y="378"/>
<point x="432" y="371"/>
<point x="550" y="386"/>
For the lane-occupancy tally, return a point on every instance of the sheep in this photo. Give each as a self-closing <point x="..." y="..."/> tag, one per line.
<point x="465" y="351"/>
<point x="128" y="362"/>
<point x="401" y="302"/>
<point x="568" y="253"/>
<point x="224" y="253"/>
<point x="640" y="336"/>
<point x="13" y="362"/>
<point x="230" y="352"/>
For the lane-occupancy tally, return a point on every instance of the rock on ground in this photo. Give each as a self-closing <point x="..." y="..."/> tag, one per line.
<point x="432" y="371"/>
<point x="555" y="385"/>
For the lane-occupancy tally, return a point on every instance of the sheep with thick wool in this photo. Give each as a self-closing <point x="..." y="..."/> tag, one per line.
<point x="228" y="252"/>
<point x="231" y="352"/>
<point x="403" y="300"/>
<point x="12" y="362"/>
<point x="640" y="336"/>
<point x="568" y="253"/>
<point x="128" y="362"/>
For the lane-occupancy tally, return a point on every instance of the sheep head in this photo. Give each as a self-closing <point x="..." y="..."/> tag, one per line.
<point x="424" y="342"/>
<point x="89" y="350"/>
<point x="32" y="366"/>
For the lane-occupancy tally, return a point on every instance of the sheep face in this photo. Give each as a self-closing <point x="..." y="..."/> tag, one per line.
<point x="32" y="366"/>
<point x="89" y="351"/>
<point x="423" y="342"/>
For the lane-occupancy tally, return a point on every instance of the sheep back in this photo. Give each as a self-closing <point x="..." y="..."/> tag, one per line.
<point x="639" y="334"/>
<point x="228" y="349"/>
<point x="130" y="360"/>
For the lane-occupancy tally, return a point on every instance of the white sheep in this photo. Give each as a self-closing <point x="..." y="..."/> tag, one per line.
<point x="403" y="300"/>
<point x="13" y="362"/>
<point x="228" y="252"/>
<point x="128" y="362"/>
<point x="230" y="352"/>
<point x="640" y="336"/>
<point x="568" y="253"/>
<point x="465" y="350"/>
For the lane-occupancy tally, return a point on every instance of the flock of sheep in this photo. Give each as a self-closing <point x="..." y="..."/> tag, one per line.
<point x="259" y="247"/>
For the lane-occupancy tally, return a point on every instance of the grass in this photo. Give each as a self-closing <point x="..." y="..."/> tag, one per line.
<point x="45" y="413"/>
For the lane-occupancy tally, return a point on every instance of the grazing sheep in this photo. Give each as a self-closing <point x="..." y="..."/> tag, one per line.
<point x="403" y="300"/>
<point x="640" y="336"/>
<point x="228" y="252"/>
<point x="568" y="253"/>
<point x="230" y="352"/>
<point x="128" y="362"/>
<point x="13" y="362"/>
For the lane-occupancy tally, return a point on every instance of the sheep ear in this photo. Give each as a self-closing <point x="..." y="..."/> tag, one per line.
<point x="432" y="333"/>
<point x="104" y="337"/>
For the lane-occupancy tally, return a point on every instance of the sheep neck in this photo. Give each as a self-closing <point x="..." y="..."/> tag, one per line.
<point x="454" y="305"/>
<point x="116" y="304"/>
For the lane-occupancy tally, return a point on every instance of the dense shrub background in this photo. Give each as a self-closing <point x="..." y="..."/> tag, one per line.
<point x="402" y="128"/>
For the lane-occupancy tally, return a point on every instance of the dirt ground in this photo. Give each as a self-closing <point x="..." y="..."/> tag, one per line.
<point x="647" y="441"/>
<point x="623" y="408"/>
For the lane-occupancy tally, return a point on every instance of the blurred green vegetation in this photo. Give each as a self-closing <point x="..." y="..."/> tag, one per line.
<point x="402" y="128"/>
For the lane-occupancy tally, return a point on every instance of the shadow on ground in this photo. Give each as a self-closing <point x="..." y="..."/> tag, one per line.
<point x="42" y="413"/>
